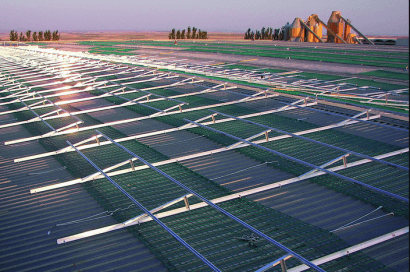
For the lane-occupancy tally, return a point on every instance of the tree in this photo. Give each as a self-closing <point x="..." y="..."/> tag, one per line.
<point x="171" y="35"/>
<point x="262" y="37"/>
<point x="194" y="33"/>
<point x="28" y="35"/>
<point x="35" y="37"/>
<point x="257" y="35"/>
<point x="56" y="36"/>
<point x="248" y="34"/>
<point x="270" y="33"/>
<point x="47" y="35"/>
<point x="22" y="38"/>
<point x="40" y="36"/>
<point x="276" y="34"/>
<point x="13" y="35"/>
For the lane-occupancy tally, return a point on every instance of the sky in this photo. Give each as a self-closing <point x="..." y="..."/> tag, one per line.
<point x="372" y="17"/>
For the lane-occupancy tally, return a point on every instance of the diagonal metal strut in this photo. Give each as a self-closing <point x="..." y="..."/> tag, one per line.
<point x="261" y="234"/>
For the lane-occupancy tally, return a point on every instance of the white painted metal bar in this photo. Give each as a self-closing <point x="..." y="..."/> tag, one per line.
<point x="351" y="118"/>
<point x="68" y="126"/>
<point x="296" y="102"/>
<point x="207" y="123"/>
<point x="157" y="209"/>
<point x="44" y="116"/>
<point x="102" y="96"/>
<point x="164" y="97"/>
<point x="13" y="69"/>
<point x="130" y="101"/>
<point x="38" y="116"/>
<point x="250" y="138"/>
<point x="317" y="142"/>
<point x="93" y="87"/>
<point x="353" y="249"/>
<point x="189" y="125"/>
<point x="307" y="163"/>
<point x="35" y="86"/>
<point x="106" y="170"/>
<point x="173" y="107"/>
<point x="231" y="197"/>
<point x="61" y="89"/>
<point x="274" y="263"/>
<point x="149" y="213"/>
<point x="343" y="157"/>
<point x="259" y="233"/>
<point x="129" y="120"/>
<point x="183" y="66"/>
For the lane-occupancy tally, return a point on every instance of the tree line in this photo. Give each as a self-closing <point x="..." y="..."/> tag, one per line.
<point x="264" y="34"/>
<point x="40" y="36"/>
<point x="194" y="34"/>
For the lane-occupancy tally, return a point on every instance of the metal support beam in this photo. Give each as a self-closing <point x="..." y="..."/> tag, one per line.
<point x="280" y="261"/>
<point x="317" y="142"/>
<point x="329" y="30"/>
<point x="355" y="29"/>
<point x="146" y="211"/>
<point x="157" y="209"/>
<point x="189" y="125"/>
<point x="306" y="163"/>
<point x="261" y="234"/>
<point x="227" y="198"/>
<point x="343" y="157"/>
<point x="352" y="249"/>
<point x="184" y="158"/>
<point x="311" y="31"/>
<point x="128" y="121"/>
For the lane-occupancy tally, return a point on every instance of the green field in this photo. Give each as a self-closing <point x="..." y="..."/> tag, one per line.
<point x="392" y="60"/>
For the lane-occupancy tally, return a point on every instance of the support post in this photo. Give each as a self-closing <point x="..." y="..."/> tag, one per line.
<point x="283" y="265"/>
<point x="311" y="31"/>
<point x="355" y="29"/>
<point x="186" y="202"/>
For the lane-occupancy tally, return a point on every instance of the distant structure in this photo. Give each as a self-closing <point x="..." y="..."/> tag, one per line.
<point x="338" y="30"/>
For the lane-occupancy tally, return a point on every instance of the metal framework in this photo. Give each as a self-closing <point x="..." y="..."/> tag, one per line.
<point x="269" y="239"/>
<point x="80" y="73"/>
<point x="313" y="141"/>
<point x="149" y="213"/>
<point x="225" y="198"/>
<point x="303" y="162"/>
<point x="256" y="76"/>
<point x="285" y="108"/>
<point x="81" y="146"/>
<point x="352" y="249"/>
<point x="135" y="101"/>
